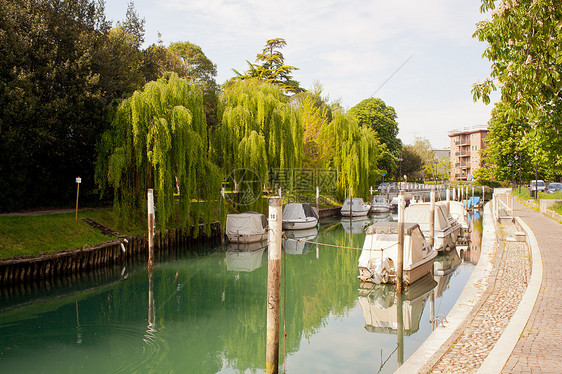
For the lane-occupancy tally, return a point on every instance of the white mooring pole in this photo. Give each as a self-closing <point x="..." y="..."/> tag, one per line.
<point x="273" y="283"/>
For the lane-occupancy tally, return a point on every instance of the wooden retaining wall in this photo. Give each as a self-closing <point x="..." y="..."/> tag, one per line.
<point x="329" y="212"/>
<point x="52" y="266"/>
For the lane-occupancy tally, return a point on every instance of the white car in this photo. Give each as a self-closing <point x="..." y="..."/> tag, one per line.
<point x="537" y="185"/>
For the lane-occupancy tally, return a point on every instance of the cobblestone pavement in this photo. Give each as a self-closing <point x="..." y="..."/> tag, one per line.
<point x="539" y="349"/>
<point x="508" y="283"/>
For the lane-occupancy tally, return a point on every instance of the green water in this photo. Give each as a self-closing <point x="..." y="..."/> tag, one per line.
<point x="207" y="314"/>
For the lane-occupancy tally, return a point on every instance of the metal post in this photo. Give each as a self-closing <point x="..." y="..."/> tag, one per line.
<point x="78" y="180"/>
<point x="454" y="194"/>
<point x="150" y="229"/>
<point x="400" y="255"/>
<point x="273" y="284"/>
<point x="472" y="197"/>
<point x="432" y="218"/>
<point x="371" y="195"/>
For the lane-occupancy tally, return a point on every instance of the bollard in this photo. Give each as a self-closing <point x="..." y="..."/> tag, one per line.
<point x="273" y="283"/>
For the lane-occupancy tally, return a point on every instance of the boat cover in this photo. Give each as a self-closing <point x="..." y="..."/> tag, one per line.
<point x="384" y="235"/>
<point x="358" y="204"/>
<point x="420" y="213"/>
<point x="457" y="211"/>
<point x="249" y="223"/>
<point x="298" y="211"/>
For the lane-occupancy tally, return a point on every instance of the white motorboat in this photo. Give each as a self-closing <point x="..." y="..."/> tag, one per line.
<point x="380" y="205"/>
<point x="355" y="208"/>
<point x="445" y="231"/>
<point x="299" y="216"/>
<point x="459" y="214"/>
<point x="378" y="259"/>
<point x="246" y="227"/>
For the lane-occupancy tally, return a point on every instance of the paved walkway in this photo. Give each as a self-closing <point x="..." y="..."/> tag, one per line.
<point x="489" y="319"/>
<point x="539" y="349"/>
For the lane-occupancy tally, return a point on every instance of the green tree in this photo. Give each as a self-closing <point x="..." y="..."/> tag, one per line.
<point x="412" y="163"/>
<point x="316" y="114"/>
<point x="270" y="67"/>
<point x="523" y="39"/>
<point x="199" y="69"/>
<point x="133" y="25"/>
<point x="52" y="100"/>
<point x="375" y="114"/>
<point x="158" y="139"/>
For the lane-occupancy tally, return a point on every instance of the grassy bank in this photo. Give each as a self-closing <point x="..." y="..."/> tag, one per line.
<point x="34" y="235"/>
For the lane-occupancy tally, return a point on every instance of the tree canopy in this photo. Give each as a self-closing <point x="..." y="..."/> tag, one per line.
<point x="158" y="139"/>
<point x="523" y="39"/>
<point x="375" y="114"/>
<point x="270" y="67"/>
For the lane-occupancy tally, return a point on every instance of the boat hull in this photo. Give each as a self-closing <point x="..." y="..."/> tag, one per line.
<point x="244" y="239"/>
<point x="299" y="225"/>
<point x="360" y="213"/>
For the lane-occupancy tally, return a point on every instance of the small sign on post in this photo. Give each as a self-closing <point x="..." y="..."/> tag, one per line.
<point x="78" y="181"/>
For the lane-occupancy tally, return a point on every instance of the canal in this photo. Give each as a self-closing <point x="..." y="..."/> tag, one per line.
<point x="206" y="313"/>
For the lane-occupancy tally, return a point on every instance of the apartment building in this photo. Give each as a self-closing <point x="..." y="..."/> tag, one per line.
<point x="465" y="151"/>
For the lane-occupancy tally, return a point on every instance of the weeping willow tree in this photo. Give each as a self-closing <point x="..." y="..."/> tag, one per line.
<point x="354" y="151"/>
<point x="259" y="129"/>
<point x="158" y="139"/>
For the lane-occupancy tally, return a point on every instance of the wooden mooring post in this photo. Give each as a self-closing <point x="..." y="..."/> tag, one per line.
<point x="150" y="229"/>
<point x="273" y="284"/>
<point x="400" y="255"/>
<point x="432" y="217"/>
<point x="448" y="198"/>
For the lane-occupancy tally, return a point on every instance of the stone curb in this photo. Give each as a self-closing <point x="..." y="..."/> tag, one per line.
<point x="439" y="341"/>
<point x="503" y="348"/>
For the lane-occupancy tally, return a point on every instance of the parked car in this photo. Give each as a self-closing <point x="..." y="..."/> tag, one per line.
<point x="554" y="187"/>
<point x="537" y="185"/>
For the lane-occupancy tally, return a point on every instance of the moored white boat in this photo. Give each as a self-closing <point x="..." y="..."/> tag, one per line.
<point x="445" y="231"/>
<point x="246" y="227"/>
<point x="355" y="208"/>
<point x="380" y="205"/>
<point x="459" y="214"/>
<point x="299" y="216"/>
<point x="378" y="259"/>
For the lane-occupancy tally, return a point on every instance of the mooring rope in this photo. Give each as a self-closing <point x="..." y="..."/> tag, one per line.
<point x="342" y="247"/>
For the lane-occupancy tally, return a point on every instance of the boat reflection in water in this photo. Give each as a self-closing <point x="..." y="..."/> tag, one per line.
<point x="444" y="266"/>
<point x="355" y="225"/>
<point x="381" y="217"/>
<point x="387" y="312"/>
<point x="471" y="251"/>
<point x="245" y="257"/>
<point x="295" y="241"/>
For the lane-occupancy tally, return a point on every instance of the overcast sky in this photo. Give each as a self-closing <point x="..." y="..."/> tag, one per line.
<point x="351" y="47"/>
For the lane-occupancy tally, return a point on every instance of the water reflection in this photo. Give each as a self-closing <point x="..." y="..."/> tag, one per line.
<point x="355" y="225"/>
<point x="379" y="305"/>
<point x="245" y="257"/>
<point x="295" y="242"/>
<point x="387" y="312"/>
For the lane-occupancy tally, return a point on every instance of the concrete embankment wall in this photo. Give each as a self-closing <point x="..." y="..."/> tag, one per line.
<point x="50" y="267"/>
<point x="329" y="212"/>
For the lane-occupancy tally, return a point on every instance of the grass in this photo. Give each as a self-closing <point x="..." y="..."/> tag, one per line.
<point x="34" y="235"/>
<point x="557" y="208"/>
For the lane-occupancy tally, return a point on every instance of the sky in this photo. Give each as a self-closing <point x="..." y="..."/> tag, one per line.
<point x="417" y="56"/>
